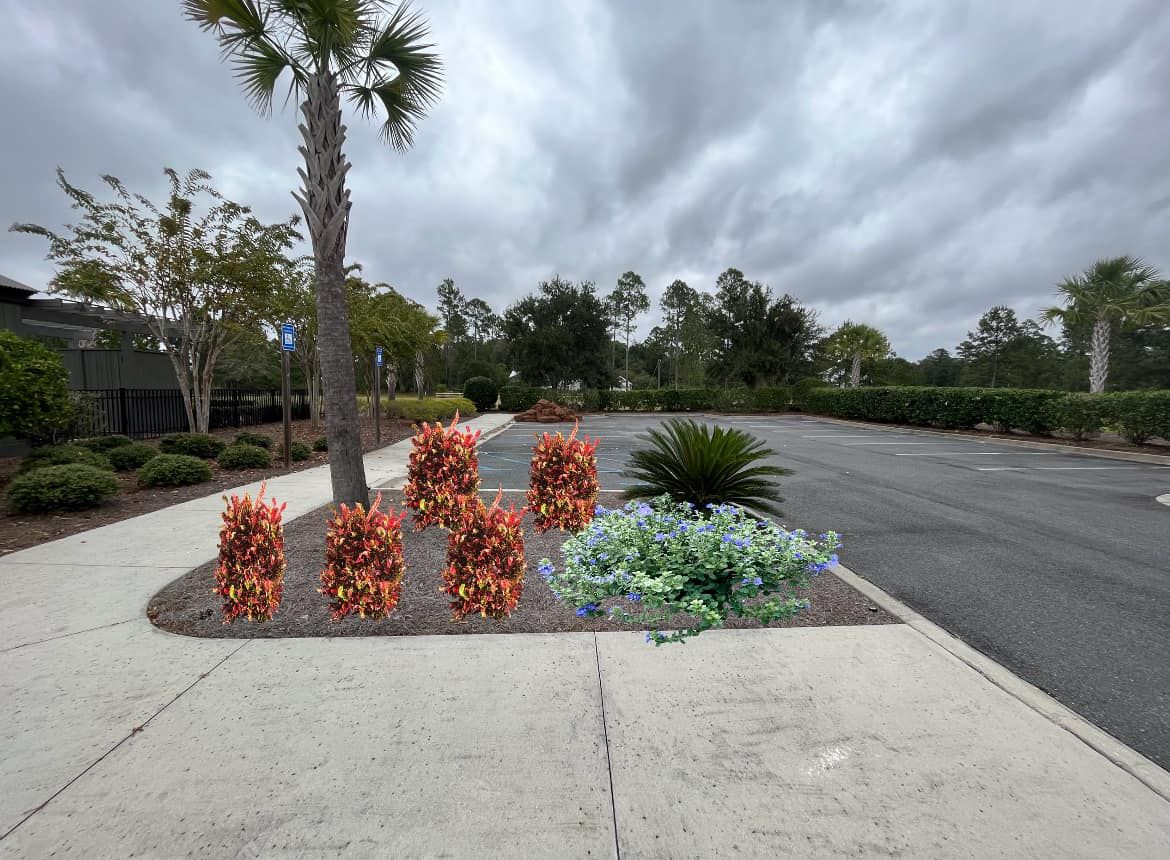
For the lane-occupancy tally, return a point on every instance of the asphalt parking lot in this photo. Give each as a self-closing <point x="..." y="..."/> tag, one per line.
<point x="1057" y="565"/>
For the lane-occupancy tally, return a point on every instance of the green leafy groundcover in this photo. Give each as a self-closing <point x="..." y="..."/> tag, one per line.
<point x="648" y="564"/>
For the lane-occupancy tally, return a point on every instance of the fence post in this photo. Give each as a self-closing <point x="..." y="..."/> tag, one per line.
<point x="236" y="407"/>
<point x="123" y="413"/>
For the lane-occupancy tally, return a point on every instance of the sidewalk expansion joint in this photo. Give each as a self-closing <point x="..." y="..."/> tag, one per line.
<point x="617" y="846"/>
<point x="131" y="734"/>
<point x="67" y="635"/>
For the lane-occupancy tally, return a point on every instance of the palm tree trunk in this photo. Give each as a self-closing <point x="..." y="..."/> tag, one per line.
<point x="325" y="201"/>
<point x="855" y="371"/>
<point x="1099" y="355"/>
<point x="420" y="373"/>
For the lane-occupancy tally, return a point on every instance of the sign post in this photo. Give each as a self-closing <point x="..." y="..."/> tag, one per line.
<point x="288" y="342"/>
<point x="378" y="397"/>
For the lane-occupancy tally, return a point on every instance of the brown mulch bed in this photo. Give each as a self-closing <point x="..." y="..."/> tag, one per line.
<point x="188" y="605"/>
<point x="19" y="531"/>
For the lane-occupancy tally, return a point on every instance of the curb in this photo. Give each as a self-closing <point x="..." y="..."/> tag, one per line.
<point x="495" y="431"/>
<point x="1149" y="773"/>
<point x="1133" y="457"/>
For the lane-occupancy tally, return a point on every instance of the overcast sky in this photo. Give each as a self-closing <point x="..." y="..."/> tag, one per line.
<point x="905" y="164"/>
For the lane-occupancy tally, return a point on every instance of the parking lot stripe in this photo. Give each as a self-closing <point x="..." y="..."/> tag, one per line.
<point x="836" y="436"/>
<point x="851" y="444"/>
<point x="977" y="454"/>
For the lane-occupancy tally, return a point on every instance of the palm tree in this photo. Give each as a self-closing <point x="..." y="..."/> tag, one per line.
<point x="856" y="342"/>
<point x="375" y="54"/>
<point x="1121" y="291"/>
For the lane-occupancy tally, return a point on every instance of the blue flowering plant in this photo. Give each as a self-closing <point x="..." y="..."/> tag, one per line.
<point x="665" y="563"/>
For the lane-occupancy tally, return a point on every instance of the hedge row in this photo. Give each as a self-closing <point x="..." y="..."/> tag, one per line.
<point x="1136" y="415"/>
<point x="517" y="399"/>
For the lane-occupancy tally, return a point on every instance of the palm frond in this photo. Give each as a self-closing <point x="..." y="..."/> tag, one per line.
<point x="694" y="463"/>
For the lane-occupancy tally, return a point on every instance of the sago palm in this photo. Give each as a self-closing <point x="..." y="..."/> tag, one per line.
<point x="856" y="342"/>
<point x="692" y="462"/>
<point x="1119" y="291"/>
<point x="375" y="54"/>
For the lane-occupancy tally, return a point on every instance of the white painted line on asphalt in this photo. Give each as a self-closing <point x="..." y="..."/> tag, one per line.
<point x="853" y="444"/>
<point x="836" y="436"/>
<point x="1048" y="468"/>
<point x="978" y="454"/>
<point x="1163" y="499"/>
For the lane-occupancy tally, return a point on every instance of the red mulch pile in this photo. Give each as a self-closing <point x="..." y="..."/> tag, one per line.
<point x="547" y="412"/>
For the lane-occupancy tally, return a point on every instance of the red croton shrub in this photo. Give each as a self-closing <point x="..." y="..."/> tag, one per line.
<point x="443" y="476"/>
<point x="563" y="487"/>
<point x="250" y="575"/>
<point x="485" y="561"/>
<point x="363" y="561"/>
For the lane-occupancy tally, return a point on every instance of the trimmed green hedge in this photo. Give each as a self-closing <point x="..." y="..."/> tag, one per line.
<point x="481" y="391"/>
<point x="174" y="470"/>
<point x="127" y="458"/>
<point x="1137" y="415"/>
<point x="202" y="445"/>
<point x="430" y="408"/>
<point x="244" y="456"/>
<point x="61" y="455"/>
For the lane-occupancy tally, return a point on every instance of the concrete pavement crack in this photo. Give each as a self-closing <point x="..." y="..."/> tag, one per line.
<point x="67" y="635"/>
<point x="617" y="845"/>
<point x="135" y="730"/>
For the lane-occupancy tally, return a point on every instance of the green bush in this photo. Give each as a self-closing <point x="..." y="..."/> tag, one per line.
<point x="799" y="390"/>
<point x="430" y="408"/>
<point x="1080" y="415"/>
<point x="320" y="444"/>
<point x="298" y="452"/>
<point x="1140" y="415"/>
<point x="515" y="398"/>
<point x="61" y="455"/>
<point x="481" y="391"/>
<point x="104" y="444"/>
<point x="1024" y="409"/>
<point x="192" y="444"/>
<point x="247" y="437"/>
<point x="174" y="470"/>
<point x="68" y="487"/>
<point x="35" y="383"/>
<point x="127" y="458"/>
<point x="244" y="456"/>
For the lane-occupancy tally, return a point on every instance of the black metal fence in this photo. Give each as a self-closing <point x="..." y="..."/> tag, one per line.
<point x="146" y="412"/>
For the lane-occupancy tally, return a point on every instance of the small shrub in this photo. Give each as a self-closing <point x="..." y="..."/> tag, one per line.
<point x="127" y="458"/>
<point x="517" y="398"/>
<point x="104" y="444"/>
<point x="68" y="487"/>
<point x="35" y="383"/>
<point x="364" y="564"/>
<point x="443" y="474"/>
<point x="1080" y="415"/>
<point x="192" y="444"/>
<point x="563" y="486"/>
<point x="247" y="437"/>
<point x="669" y="564"/>
<point x="485" y="561"/>
<point x="63" y="455"/>
<point x="174" y="470"/>
<point x="320" y="444"/>
<point x="298" y="452"/>
<point x="429" y="408"/>
<point x="798" y="392"/>
<point x="481" y="391"/>
<point x="250" y="574"/>
<point x="244" y="457"/>
<point x="1140" y="415"/>
<point x="695" y="463"/>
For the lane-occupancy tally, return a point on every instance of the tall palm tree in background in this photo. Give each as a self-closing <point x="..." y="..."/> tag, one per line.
<point x="856" y="342"/>
<point x="375" y="54"/>
<point x="1119" y="291"/>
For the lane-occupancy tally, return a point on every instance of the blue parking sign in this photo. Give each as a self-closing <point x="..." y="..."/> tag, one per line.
<point x="288" y="337"/>
<point x="378" y="355"/>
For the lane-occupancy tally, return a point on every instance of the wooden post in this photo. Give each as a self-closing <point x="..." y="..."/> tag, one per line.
<point x="286" y="396"/>
<point x="377" y="403"/>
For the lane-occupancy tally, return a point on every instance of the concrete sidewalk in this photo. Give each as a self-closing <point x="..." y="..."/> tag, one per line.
<point x="119" y="739"/>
